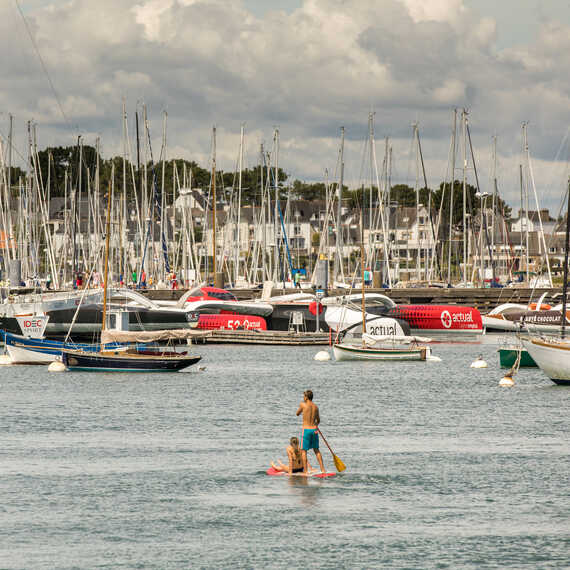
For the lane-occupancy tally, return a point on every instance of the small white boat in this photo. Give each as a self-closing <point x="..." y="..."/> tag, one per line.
<point x="383" y="348"/>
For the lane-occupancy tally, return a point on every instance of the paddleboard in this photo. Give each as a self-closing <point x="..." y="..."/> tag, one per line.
<point x="273" y="471"/>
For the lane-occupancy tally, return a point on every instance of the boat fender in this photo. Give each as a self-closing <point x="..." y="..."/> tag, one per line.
<point x="313" y="308"/>
<point x="57" y="366"/>
<point x="5" y="360"/>
<point x="479" y="363"/>
<point x="322" y="356"/>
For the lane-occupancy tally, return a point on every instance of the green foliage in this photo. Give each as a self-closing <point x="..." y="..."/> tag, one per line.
<point x="64" y="162"/>
<point x="306" y="191"/>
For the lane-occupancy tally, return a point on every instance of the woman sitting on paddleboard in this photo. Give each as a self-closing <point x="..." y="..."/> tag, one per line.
<point x="295" y="459"/>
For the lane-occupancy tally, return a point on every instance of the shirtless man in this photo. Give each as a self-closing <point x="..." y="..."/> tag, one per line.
<point x="310" y="437"/>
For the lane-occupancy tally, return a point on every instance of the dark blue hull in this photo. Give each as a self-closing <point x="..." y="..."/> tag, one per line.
<point x="125" y="362"/>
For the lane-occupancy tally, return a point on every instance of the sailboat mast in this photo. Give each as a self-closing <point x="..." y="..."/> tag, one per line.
<point x="214" y="201"/>
<point x="453" y="136"/>
<point x="238" y="240"/>
<point x="363" y="303"/>
<point x="107" y="234"/>
<point x="565" y="284"/>
<point x="339" y="248"/>
<point x="465" y="233"/>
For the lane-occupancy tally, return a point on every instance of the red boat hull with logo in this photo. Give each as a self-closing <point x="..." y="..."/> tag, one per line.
<point x="437" y="319"/>
<point x="231" y="322"/>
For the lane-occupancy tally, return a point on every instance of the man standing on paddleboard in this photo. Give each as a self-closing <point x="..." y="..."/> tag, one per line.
<point x="309" y="434"/>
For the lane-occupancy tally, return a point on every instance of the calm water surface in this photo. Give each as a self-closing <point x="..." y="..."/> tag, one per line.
<point x="445" y="468"/>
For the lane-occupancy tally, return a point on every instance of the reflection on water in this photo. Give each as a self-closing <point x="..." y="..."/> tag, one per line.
<point x="307" y="489"/>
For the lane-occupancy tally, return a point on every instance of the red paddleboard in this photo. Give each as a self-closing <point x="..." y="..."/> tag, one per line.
<point x="273" y="471"/>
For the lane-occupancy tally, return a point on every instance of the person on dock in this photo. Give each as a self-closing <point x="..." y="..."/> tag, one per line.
<point x="297" y="279"/>
<point x="310" y="436"/>
<point x="294" y="454"/>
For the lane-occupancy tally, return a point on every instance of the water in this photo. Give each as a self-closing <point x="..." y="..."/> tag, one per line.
<point x="445" y="468"/>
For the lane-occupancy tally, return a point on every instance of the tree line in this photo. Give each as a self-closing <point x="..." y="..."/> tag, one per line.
<point x="77" y="166"/>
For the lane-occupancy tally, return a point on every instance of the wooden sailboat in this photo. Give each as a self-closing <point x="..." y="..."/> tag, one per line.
<point x="379" y="347"/>
<point x="129" y="360"/>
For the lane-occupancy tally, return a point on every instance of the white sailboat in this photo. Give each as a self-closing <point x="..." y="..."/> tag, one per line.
<point x="553" y="354"/>
<point x="385" y="347"/>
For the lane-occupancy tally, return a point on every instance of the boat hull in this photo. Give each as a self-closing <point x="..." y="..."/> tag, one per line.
<point x="439" y="319"/>
<point x="552" y="358"/>
<point x="89" y="319"/>
<point x="350" y="352"/>
<point x="508" y="357"/>
<point x="117" y="362"/>
<point x="19" y="355"/>
<point x="24" y="350"/>
<point x="549" y="321"/>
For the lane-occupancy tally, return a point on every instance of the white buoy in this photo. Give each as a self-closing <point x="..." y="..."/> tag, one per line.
<point x="57" y="366"/>
<point x="507" y="382"/>
<point x="5" y="360"/>
<point x="322" y="355"/>
<point x="479" y="363"/>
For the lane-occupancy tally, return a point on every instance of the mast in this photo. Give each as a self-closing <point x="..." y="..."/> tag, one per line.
<point x="214" y="201"/>
<point x="453" y="135"/>
<point x="339" y="248"/>
<point x="238" y="242"/>
<point x="125" y="225"/>
<point x="495" y="192"/>
<point x="363" y="303"/>
<point x="418" y="240"/>
<point x="565" y="284"/>
<point x="465" y="234"/>
<point x="107" y="233"/>
<point x="276" y="208"/>
<point x="163" y="263"/>
<point x="10" y="135"/>
<point x="371" y="144"/>
<point x="520" y="217"/>
<point x="263" y="219"/>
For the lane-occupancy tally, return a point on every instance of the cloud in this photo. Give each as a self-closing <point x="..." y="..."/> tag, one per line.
<point x="309" y="71"/>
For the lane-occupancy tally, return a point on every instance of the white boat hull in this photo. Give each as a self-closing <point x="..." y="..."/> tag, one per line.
<point x="353" y="352"/>
<point x="498" y="324"/>
<point x="552" y="357"/>
<point x="19" y="355"/>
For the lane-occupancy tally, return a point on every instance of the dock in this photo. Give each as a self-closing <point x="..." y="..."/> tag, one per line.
<point x="290" y="338"/>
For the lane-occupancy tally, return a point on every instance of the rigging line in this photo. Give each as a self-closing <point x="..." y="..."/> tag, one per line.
<point x="44" y="67"/>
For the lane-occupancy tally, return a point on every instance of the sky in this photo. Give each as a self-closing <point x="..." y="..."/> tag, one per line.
<point x="306" y="67"/>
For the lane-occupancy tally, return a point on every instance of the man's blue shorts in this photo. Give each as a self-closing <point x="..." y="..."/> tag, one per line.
<point x="309" y="439"/>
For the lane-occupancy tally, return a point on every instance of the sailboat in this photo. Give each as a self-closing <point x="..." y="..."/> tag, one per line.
<point x="130" y="360"/>
<point x="385" y="347"/>
<point x="552" y="354"/>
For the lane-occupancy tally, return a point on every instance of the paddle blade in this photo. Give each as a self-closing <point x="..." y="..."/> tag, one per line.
<point x="340" y="466"/>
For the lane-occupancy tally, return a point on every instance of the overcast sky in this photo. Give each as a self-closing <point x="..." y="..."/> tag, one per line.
<point x="307" y="67"/>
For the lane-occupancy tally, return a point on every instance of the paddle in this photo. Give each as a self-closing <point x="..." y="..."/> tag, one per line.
<point x="340" y="466"/>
